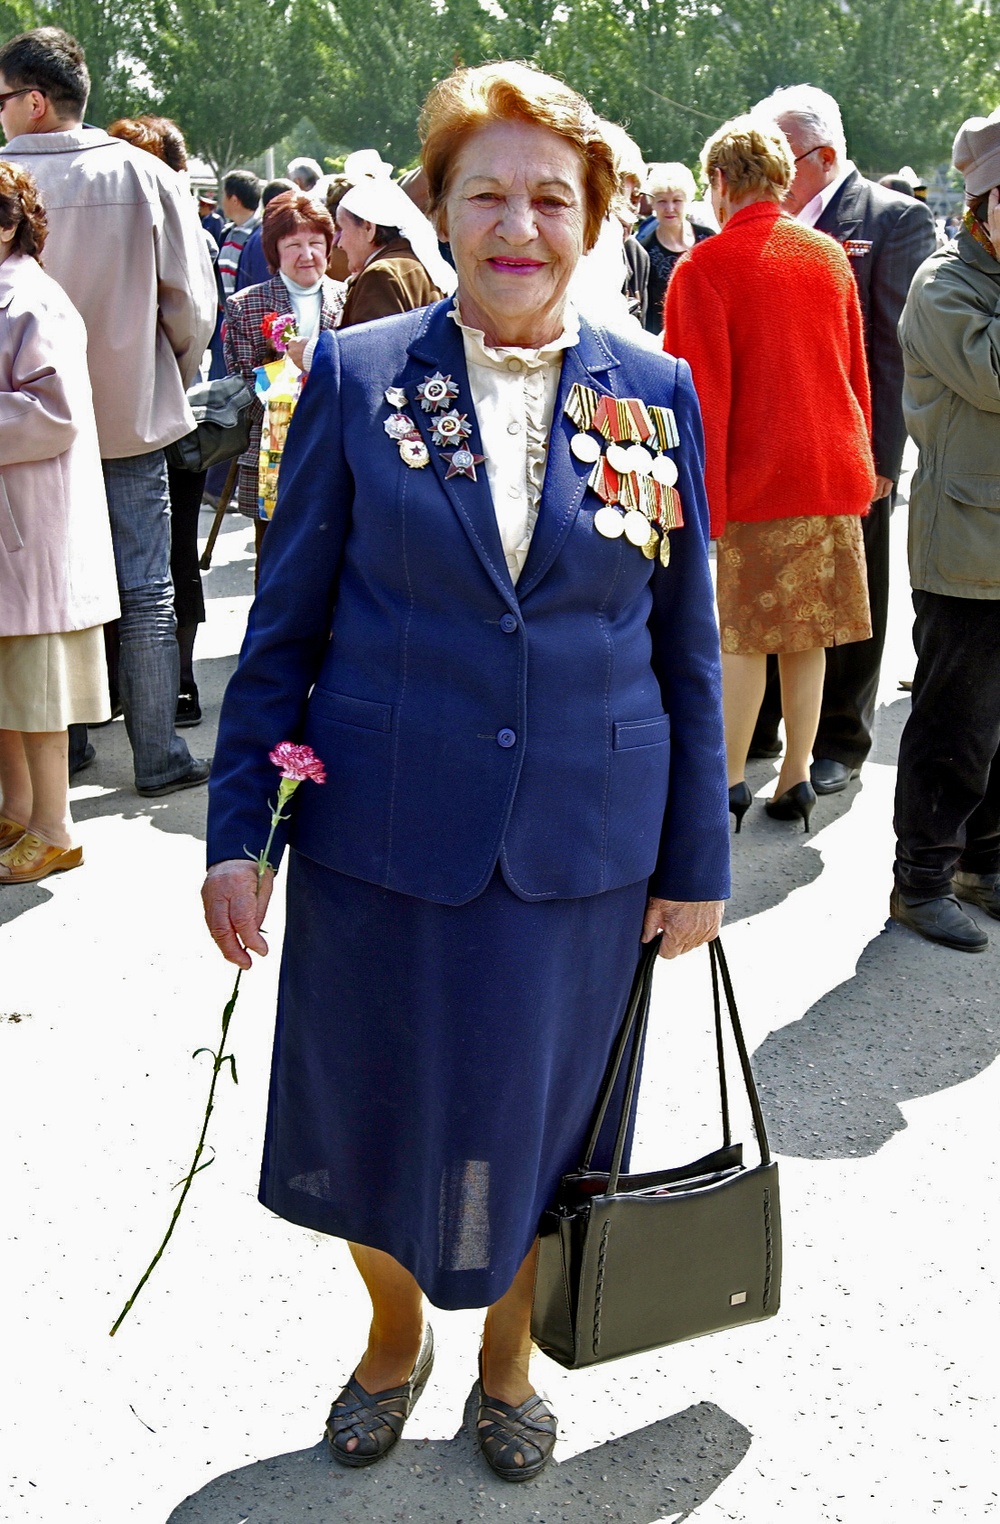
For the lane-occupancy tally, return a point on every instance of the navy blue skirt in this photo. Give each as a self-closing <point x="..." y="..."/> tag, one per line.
<point x="436" y="1067"/>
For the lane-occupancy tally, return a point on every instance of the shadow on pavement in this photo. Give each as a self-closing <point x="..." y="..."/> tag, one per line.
<point x="15" y="901"/>
<point x="662" y="1472"/>
<point x="915" y="1019"/>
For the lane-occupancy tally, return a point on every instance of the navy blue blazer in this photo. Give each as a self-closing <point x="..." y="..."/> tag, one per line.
<point x="570" y="729"/>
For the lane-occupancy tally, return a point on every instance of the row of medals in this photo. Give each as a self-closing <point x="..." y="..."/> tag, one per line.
<point x="638" y="525"/>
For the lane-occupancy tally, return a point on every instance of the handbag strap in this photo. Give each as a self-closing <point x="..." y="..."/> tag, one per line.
<point x="635" y="1022"/>
<point x="719" y="960"/>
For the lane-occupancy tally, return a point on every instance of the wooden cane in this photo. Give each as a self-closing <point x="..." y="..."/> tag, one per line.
<point x="224" y="497"/>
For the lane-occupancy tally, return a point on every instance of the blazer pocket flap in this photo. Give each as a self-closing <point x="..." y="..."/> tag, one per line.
<point x="654" y="732"/>
<point x="364" y="713"/>
<point x="10" y="535"/>
<point x="974" y="490"/>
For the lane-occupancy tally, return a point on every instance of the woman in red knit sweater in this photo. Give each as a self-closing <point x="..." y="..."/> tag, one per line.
<point x="768" y="317"/>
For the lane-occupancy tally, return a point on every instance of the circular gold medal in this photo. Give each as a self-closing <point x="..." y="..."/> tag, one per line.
<point x="586" y="448"/>
<point x="636" y="527"/>
<point x="610" y="523"/>
<point x="652" y="545"/>
<point x="664" y="471"/>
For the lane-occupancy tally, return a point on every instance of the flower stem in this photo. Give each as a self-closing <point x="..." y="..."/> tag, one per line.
<point x="219" y="1059"/>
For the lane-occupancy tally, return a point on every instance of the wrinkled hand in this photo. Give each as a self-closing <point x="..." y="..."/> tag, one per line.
<point x="296" y="351"/>
<point x="685" y="924"/>
<point x="234" y="911"/>
<point x="883" y="486"/>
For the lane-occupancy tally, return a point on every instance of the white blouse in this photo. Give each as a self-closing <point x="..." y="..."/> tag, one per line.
<point x="514" y="394"/>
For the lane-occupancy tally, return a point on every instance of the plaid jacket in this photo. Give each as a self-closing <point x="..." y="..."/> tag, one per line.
<point x="245" y="347"/>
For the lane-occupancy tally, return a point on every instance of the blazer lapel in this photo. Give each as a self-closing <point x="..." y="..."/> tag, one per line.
<point x="589" y="362"/>
<point x="438" y="347"/>
<point x="844" y="214"/>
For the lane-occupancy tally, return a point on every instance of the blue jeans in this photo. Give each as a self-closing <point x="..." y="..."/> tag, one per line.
<point x="149" y="663"/>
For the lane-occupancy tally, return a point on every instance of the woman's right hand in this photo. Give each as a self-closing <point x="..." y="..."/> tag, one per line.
<point x="234" y="909"/>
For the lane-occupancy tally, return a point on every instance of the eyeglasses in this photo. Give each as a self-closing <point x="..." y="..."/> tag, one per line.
<point x="13" y="94"/>
<point x="808" y="151"/>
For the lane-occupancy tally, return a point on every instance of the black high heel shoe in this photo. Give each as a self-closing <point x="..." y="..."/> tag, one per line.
<point x="740" y="800"/>
<point x="795" y="803"/>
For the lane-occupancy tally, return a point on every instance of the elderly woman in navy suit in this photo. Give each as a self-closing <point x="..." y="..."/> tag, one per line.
<point x="485" y="603"/>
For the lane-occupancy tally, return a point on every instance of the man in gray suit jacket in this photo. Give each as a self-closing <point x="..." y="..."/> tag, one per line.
<point x="886" y="236"/>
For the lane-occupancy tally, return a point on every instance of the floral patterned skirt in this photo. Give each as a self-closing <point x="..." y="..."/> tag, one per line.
<point x="792" y="585"/>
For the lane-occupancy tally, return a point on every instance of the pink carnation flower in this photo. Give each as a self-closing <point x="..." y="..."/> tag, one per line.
<point x="299" y="764"/>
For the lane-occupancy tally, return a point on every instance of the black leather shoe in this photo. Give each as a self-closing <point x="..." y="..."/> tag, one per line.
<point x="516" y="1443"/>
<point x="982" y="889"/>
<point x="197" y="773"/>
<point x="829" y="777"/>
<point x="375" y="1419"/>
<point x="188" y="709"/>
<point x="941" y="920"/>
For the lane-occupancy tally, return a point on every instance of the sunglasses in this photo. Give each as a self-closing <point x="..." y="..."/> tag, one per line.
<point x="13" y="94"/>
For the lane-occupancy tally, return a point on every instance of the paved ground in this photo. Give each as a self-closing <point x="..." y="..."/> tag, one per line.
<point x="871" y="1399"/>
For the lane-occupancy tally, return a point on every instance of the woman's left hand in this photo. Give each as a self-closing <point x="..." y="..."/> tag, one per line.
<point x="296" y="351"/>
<point x="685" y="924"/>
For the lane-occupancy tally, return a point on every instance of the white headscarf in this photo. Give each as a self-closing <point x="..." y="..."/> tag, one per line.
<point x="380" y="200"/>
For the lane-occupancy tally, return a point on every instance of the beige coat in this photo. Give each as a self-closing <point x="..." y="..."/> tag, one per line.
<point x="57" y="570"/>
<point x="126" y="246"/>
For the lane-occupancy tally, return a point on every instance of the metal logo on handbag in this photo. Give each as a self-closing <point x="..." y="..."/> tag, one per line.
<point x="632" y="1262"/>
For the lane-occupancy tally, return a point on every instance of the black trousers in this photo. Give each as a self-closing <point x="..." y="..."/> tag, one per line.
<point x="850" y="687"/>
<point x="186" y="488"/>
<point x="947" y="813"/>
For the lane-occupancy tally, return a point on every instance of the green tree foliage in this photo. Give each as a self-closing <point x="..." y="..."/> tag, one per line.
<point x="240" y="74"/>
<point x="231" y="73"/>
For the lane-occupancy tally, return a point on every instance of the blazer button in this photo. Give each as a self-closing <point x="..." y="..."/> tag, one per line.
<point x="508" y="623"/>
<point x="506" y="738"/>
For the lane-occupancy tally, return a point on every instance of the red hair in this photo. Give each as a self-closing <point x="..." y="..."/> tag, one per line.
<point x="286" y="214"/>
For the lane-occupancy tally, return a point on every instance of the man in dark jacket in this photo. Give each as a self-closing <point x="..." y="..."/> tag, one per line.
<point x="886" y="237"/>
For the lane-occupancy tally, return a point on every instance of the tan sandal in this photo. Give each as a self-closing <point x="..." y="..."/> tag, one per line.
<point x="10" y="832"/>
<point x="31" y="857"/>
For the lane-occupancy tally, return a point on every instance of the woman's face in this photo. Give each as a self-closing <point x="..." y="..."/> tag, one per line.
<point x="515" y="216"/>
<point x="302" y="256"/>
<point x="669" y="208"/>
<point x="355" y="238"/>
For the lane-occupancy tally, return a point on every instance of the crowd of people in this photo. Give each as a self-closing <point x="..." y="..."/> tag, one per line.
<point x="531" y="382"/>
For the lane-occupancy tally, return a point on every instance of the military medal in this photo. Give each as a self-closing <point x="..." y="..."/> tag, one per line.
<point x="617" y="458"/>
<point x="637" y="528"/>
<point x="633" y="476"/>
<point x="664" y="470"/>
<point x="610" y="523"/>
<point x="586" y="448"/>
<point x="462" y="462"/>
<point x="395" y="396"/>
<point x="451" y="428"/>
<point x="413" y="452"/>
<point x="398" y="427"/>
<point x="436" y="392"/>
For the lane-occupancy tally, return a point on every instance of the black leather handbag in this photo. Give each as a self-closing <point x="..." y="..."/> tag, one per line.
<point x="222" y="412"/>
<point x="632" y="1262"/>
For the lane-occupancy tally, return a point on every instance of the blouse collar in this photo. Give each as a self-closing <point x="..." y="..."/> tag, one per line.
<point x="478" y="352"/>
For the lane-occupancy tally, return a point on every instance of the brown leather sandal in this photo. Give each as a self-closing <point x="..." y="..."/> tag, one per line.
<point x="31" y="857"/>
<point x="376" y="1419"/>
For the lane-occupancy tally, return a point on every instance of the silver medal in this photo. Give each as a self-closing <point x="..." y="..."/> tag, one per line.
<point x="617" y="457"/>
<point x="636" y="527"/>
<point x="610" y="523"/>
<point x="586" y="448"/>
<point x="664" y="471"/>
